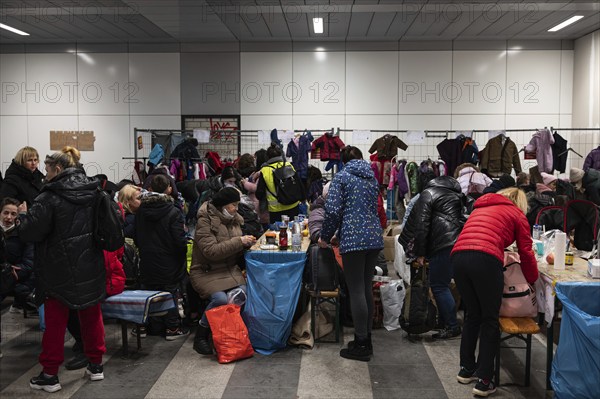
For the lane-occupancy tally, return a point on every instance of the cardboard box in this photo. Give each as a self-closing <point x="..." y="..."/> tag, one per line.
<point x="389" y="235"/>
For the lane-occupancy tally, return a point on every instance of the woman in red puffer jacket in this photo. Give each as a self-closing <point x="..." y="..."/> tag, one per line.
<point x="496" y="222"/>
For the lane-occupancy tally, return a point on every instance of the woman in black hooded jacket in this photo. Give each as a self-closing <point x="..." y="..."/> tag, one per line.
<point x="69" y="267"/>
<point x="23" y="180"/>
<point x="433" y="227"/>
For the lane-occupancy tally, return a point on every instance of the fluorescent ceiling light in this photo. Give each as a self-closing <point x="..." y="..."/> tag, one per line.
<point x="318" y="25"/>
<point x="566" y="23"/>
<point x="10" y="28"/>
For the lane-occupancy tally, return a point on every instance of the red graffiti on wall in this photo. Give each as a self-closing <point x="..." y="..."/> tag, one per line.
<point x="223" y="137"/>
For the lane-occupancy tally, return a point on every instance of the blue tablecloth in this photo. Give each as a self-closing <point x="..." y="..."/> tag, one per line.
<point x="136" y="305"/>
<point x="274" y="282"/>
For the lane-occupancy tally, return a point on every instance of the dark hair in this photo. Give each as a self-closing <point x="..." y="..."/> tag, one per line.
<point x="246" y="161"/>
<point x="159" y="184"/>
<point x="228" y="173"/>
<point x="9" y="201"/>
<point x="261" y="158"/>
<point x="349" y="153"/>
<point x="274" y="151"/>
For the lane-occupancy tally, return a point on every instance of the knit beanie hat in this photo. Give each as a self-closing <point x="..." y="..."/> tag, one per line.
<point x="548" y="178"/>
<point x="227" y="195"/>
<point x="507" y="180"/>
<point x="576" y="175"/>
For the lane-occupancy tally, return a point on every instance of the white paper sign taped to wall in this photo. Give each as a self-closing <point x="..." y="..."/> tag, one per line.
<point x="362" y="136"/>
<point x="415" y="137"/>
<point x="466" y="133"/>
<point x="264" y="137"/>
<point x="495" y="133"/>
<point x="285" y="135"/>
<point x="203" y="136"/>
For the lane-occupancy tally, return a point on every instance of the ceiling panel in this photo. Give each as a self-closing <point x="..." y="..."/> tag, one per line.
<point x="359" y="24"/>
<point x="125" y="21"/>
<point x="380" y="24"/>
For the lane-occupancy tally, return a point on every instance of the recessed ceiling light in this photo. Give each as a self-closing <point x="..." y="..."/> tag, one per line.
<point x="318" y="25"/>
<point x="14" y="30"/>
<point x="568" y="22"/>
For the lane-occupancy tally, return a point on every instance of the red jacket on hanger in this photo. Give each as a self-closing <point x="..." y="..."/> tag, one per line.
<point x="329" y="145"/>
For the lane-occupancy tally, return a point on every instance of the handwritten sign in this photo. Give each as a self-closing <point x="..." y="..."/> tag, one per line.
<point x="82" y="140"/>
<point x="362" y="136"/>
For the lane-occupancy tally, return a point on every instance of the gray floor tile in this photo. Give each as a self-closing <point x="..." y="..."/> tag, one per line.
<point x="404" y="375"/>
<point x="248" y="374"/>
<point x="260" y="393"/>
<point x="409" y="393"/>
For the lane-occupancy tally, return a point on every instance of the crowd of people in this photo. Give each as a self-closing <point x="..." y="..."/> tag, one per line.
<point x="459" y="224"/>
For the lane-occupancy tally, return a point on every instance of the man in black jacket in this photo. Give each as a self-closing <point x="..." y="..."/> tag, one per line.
<point x="160" y="238"/>
<point x="433" y="227"/>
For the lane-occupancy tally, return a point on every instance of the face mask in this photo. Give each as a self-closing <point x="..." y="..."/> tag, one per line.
<point x="226" y="214"/>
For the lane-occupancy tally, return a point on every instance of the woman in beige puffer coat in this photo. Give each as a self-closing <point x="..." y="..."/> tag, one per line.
<point x="218" y="245"/>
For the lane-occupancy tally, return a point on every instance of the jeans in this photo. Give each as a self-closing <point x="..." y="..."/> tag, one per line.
<point x="440" y="274"/>
<point x="480" y="281"/>
<point x="217" y="299"/>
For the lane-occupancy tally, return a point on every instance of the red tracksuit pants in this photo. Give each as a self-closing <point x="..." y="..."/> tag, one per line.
<point x="53" y="341"/>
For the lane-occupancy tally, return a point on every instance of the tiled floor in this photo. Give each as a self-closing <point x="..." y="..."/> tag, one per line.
<point x="399" y="369"/>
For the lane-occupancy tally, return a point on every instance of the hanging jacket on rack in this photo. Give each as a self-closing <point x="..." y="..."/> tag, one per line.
<point x="412" y="174"/>
<point x="387" y="147"/>
<point x="498" y="158"/>
<point x="299" y="153"/>
<point x="186" y="150"/>
<point x="329" y="145"/>
<point x="559" y="153"/>
<point x="541" y="143"/>
<point x="450" y="151"/>
<point x="592" y="160"/>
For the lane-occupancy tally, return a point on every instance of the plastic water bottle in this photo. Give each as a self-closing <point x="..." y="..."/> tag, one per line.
<point x="296" y="237"/>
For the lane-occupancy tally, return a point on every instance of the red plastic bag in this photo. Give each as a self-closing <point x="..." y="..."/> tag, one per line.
<point x="230" y="335"/>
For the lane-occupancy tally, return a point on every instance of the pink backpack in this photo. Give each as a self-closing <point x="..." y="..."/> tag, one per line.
<point x="518" y="297"/>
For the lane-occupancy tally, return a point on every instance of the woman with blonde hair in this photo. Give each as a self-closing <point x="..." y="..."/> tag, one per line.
<point x="129" y="197"/>
<point x="496" y="222"/>
<point x="69" y="266"/>
<point x="23" y="180"/>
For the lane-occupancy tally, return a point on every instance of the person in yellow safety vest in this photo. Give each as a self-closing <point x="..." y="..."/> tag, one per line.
<point x="266" y="186"/>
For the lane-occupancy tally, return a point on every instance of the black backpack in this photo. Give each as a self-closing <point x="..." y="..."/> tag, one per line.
<point x="131" y="265"/>
<point x="418" y="312"/>
<point x="108" y="223"/>
<point x="321" y="269"/>
<point x="288" y="186"/>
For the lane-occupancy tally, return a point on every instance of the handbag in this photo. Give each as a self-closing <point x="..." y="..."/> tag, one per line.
<point x="7" y="279"/>
<point x="518" y="297"/>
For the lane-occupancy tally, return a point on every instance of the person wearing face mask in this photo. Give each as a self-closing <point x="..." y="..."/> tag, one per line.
<point x="23" y="181"/>
<point x="19" y="255"/>
<point x="218" y="244"/>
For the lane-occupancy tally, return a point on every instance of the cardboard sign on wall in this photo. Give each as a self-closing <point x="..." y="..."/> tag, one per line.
<point x="82" y="140"/>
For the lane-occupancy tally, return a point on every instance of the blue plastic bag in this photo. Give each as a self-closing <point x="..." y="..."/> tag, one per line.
<point x="576" y="365"/>
<point x="274" y="282"/>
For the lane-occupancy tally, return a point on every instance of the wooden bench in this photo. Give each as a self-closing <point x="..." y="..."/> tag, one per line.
<point x="319" y="297"/>
<point x="135" y="307"/>
<point x="517" y="327"/>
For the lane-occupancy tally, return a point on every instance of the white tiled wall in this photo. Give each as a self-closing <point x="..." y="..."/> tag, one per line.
<point x="107" y="93"/>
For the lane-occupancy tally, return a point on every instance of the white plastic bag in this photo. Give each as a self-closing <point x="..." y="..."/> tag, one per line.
<point x="400" y="265"/>
<point x="392" y="299"/>
<point x="236" y="296"/>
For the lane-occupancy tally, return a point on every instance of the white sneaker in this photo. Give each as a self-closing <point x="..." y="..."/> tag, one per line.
<point x="15" y="309"/>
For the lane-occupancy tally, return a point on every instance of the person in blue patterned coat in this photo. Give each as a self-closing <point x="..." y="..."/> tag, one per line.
<point x="351" y="209"/>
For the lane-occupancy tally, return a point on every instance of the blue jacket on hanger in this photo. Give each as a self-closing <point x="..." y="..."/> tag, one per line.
<point x="299" y="154"/>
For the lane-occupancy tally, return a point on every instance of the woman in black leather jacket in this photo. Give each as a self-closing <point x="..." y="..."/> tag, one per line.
<point x="69" y="267"/>
<point x="433" y="227"/>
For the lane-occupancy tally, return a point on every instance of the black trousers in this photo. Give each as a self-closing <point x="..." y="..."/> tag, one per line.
<point x="480" y="281"/>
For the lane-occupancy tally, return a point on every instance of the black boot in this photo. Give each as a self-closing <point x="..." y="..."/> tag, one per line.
<point x="359" y="350"/>
<point x="369" y="344"/>
<point x="201" y="344"/>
